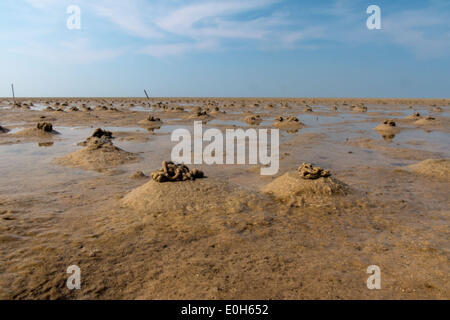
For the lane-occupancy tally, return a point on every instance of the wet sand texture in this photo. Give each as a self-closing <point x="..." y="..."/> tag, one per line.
<point x="439" y="168"/>
<point x="201" y="195"/>
<point x="310" y="233"/>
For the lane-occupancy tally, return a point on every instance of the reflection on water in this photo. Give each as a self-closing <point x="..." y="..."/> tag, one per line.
<point x="388" y="137"/>
<point x="311" y="119"/>
<point x="433" y="141"/>
<point x="231" y="123"/>
<point x="141" y="109"/>
<point x="170" y="128"/>
<point x="38" y="107"/>
<point x="46" y="144"/>
<point x="152" y="129"/>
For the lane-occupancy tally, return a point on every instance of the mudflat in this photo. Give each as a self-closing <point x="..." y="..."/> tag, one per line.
<point x="376" y="194"/>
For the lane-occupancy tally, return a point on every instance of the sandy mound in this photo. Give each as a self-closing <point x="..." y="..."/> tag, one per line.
<point x="426" y="121"/>
<point x="216" y="110"/>
<point x="200" y="115"/>
<point x="99" y="154"/>
<point x="171" y="172"/>
<point x="101" y="108"/>
<point x="287" y="123"/>
<point x="310" y="185"/>
<point x="414" y="116"/>
<point x="388" y="127"/>
<point x="98" y="134"/>
<point x="359" y="108"/>
<point x="42" y="130"/>
<point x="202" y="195"/>
<point x="439" y="168"/>
<point x="253" y="119"/>
<point x="151" y="121"/>
<point x="3" y="130"/>
<point x="308" y="172"/>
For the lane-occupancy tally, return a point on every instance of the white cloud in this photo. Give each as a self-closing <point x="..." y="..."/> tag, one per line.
<point x="164" y="50"/>
<point x="307" y="33"/>
<point x="417" y="31"/>
<point x="40" y="4"/>
<point x="78" y="51"/>
<point x="193" y="26"/>
<point x="127" y="15"/>
<point x="183" y="20"/>
<point x="424" y="31"/>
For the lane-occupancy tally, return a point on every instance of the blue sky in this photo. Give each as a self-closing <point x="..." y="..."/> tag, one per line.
<point x="234" y="48"/>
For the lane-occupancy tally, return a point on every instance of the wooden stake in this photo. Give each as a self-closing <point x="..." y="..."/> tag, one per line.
<point x="148" y="98"/>
<point x="14" y="97"/>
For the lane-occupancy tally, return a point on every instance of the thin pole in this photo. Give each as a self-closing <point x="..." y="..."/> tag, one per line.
<point x="14" y="97"/>
<point x="145" y="91"/>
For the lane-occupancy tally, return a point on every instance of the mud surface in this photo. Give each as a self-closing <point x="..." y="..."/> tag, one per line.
<point x="381" y="199"/>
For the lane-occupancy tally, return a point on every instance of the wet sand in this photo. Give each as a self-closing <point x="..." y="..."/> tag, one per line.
<point x="224" y="237"/>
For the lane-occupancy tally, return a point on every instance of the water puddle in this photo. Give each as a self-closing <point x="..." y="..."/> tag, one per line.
<point x="38" y="107"/>
<point x="433" y="141"/>
<point x="312" y="120"/>
<point x="141" y="109"/>
<point x="230" y="123"/>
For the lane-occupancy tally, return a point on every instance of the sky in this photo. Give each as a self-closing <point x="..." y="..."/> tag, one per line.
<point x="227" y="48"/>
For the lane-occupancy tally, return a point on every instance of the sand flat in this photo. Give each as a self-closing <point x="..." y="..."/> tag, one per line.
<point x="228" y="239"/>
